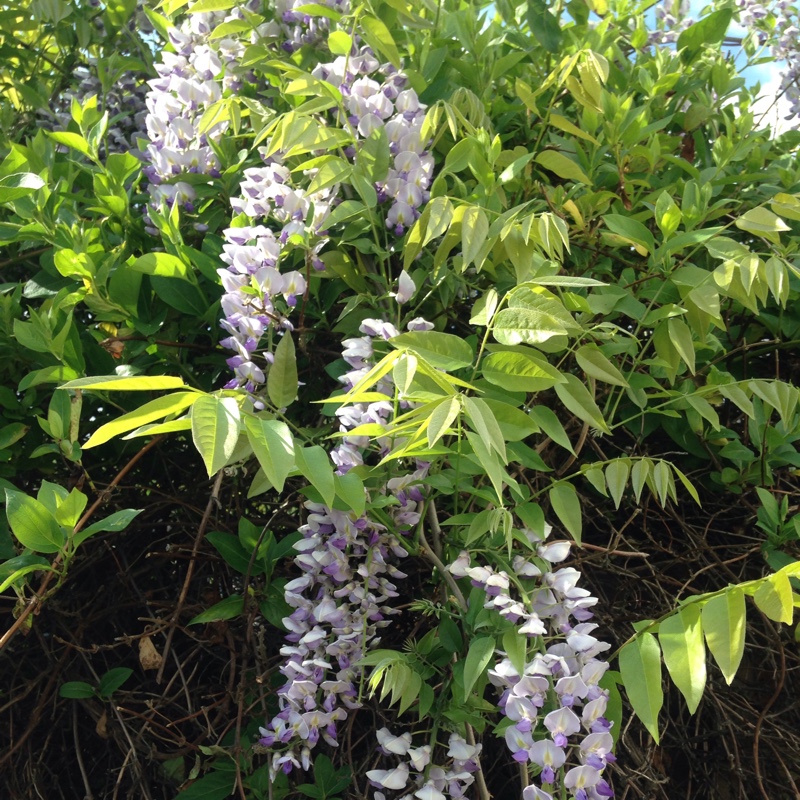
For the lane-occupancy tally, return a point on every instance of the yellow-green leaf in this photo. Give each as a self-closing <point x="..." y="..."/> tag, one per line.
<point x="126" y="383"/>
<point x="774" y="598"/>
<point x="724" y="620"/>
<point x="576" y="397"/>
<point x="568" y="127"/>
<point x="273" y="445"/>
<point x="162" y="264"/>
<point x="215" y="429"/>
<point x="681" y="638"/>
<point x="562" y="166"/>
<point x="640" y="668"/>
<point x="315" y="465"/>
<point x="156" y="409"/>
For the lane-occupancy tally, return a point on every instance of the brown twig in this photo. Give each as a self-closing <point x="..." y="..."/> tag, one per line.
<point x="763" y="714"/>
<point x="212" y="500"/>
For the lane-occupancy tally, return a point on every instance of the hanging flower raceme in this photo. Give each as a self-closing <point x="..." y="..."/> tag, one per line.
<point x="190" y="80"/>
<point x="378" y="97"/>
<point x="416" y="776"/>
<point x="340" y="604"/>
<point x="555" y="703"/>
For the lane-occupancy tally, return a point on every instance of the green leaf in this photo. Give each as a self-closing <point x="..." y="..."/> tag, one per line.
<point x="762" y="222"/>
<point x="373" y="156"/>
<point x="544" y="25"/>
<point x="441" y="418"/>
<point x="479" y="655"/>
<point x="202" y="6"/>
<point x="441" y="350"/>
<point x="774" y="598"/>
<point x="640" y="668"/>
<point x="724" y="627"/>
<point x="12" y="187"/>
<point x="681" y="337"/>
<point x="681" y="638"/>
<point x="214" y="786"/>
<point x="18" y="567"/>
<point x="76" y="690"/>
<point x="379" y="38"/>
<point x="115" y="522"/>
<point x="709" y="30"/>
<point x="575" y="396"/>
<point x="282" y="376"/>
<point x="490" y="461"/>
<point x="565" y="125"/>
<point x="162" y="264"/>
<point x="516" y="646"/>
<point x="639" y="474"/>
<point x="72" y="140"/>
<point x="11" y="434"/>
<point x="315" y="465"/>
<point x="215" y="429"/>
<point x="592" y="361"/>
<point x="668" y="215"/>
<point x="70" y="509"/>
<point x="350" y="489"/>
<point x="520" y="372"/>
<point x="546" y="419"/>
<point x="617" y="478"/>
<point x="631" y="230"/>
<point x="182" y="424"/>
<point x="474" y="230"/>
<point x="516" y="425"/>
<point x="273" y="445"/>
<point x="33" y="525"/>
<point x="526" y="325"/>
<point x="228" y="608"/>
<point x="155" y="409"/>
<point x="126" y="383"/>
<point x="340" y="43"/>
<point x="55" y="374"/>
<point x="562" y="166"/>
<point x="567" y="506"/>
<point x="485" y="425"/>
<point x="112" y="680"/>
<point x="231" y="550"/>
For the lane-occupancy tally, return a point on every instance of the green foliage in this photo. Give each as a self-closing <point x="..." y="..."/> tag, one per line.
<point x="609" y="257"/>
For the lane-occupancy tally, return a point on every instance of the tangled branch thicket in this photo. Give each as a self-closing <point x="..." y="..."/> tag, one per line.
<point x="215" y="680"/>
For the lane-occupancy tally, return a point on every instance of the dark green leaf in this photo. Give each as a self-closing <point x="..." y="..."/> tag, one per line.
<point x="544" y="25"/>
<point x="76" y="690"/>
<point x="112" y="680"/>
<point x="228" y="608"/>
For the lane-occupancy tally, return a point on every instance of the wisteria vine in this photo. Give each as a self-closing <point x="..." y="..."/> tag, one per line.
<point x="348" y="562"/>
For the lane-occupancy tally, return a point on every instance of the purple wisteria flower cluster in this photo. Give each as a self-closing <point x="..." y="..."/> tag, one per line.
<point x="417" y="776"/>
<point x="340" y="605"/>
<point x="672" y="17"/>
<point x="297" y="28"/>
<point x="376" y="96"/>
<point x="189" y="81"/>
<point x="556" y="697"/>
<point x="271" y="195"/>
<point x="251" y="282"/>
